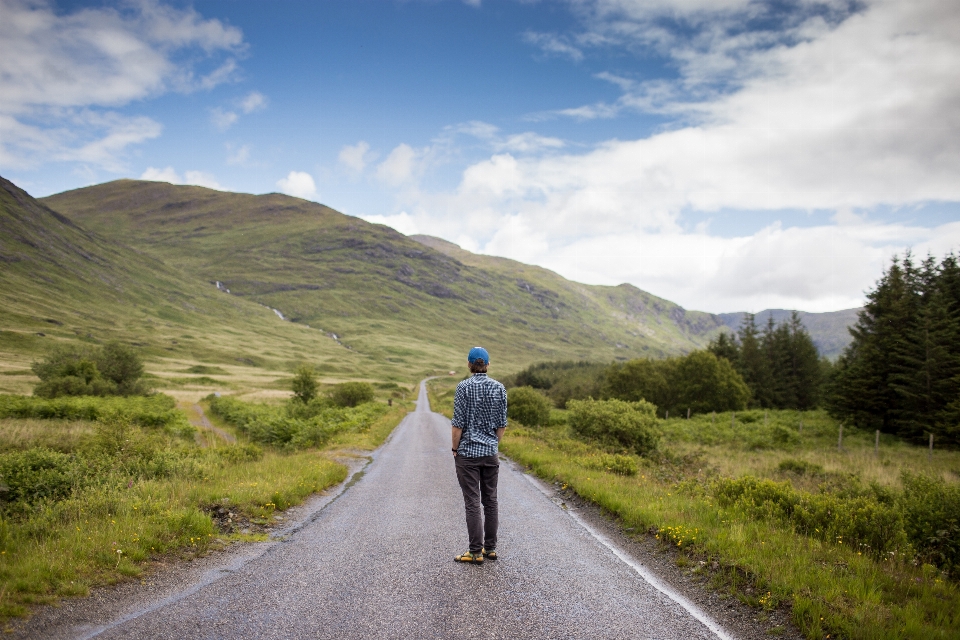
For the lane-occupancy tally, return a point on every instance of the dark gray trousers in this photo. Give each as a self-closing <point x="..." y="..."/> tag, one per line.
<point x="478" y="481"/>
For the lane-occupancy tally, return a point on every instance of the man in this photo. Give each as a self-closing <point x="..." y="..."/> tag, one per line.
<point x="479" y="418"/>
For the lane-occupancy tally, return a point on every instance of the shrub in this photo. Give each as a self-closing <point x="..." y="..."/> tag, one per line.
<point x="350" y="394"/>
<point x="153" y="411"/>
<point x="616" y="463"/>
<point x="860" y="521"/>
<point x="528" y="407"/>
<point x="626" y="425"/>
<point x="305" y="384"/>
<point x="82" y="370"/>
<point x="34" y="475"/>
<point x="931" y="511"/>
<point x="294" y="425"/>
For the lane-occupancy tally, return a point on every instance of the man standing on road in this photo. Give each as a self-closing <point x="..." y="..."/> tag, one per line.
<point x="479" y="418"/>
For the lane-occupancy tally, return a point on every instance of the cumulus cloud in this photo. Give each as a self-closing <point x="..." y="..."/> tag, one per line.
<point x="196" y="178"/>
<point x="845" y="113"/>
<point x="398" y="168"/>
<point x="56" y="69"/>
<point x="355" y="157"/>
<point x="298" y="184"/>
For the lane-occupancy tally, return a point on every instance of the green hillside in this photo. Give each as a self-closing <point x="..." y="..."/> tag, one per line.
<point x="60" y="282"/>
<point x="388" y="297"/>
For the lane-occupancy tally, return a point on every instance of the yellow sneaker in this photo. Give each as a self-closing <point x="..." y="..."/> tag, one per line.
<point x="469" y="556"/>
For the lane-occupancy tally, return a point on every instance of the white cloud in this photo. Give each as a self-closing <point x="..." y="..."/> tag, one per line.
<point x="254" y="101"/>
<point x="223" y="120"/>
<point x="402" y="222"/>
<point x="528" y="142"/>
<point x="399" y="167"/>
<point x="552" y="44"/>
<point x="298" y="184"/>
<point x="196" y="178"/>
<point x="355" y="157"/>
<point x="58" y="68"/>
<point x="846" y="115"/>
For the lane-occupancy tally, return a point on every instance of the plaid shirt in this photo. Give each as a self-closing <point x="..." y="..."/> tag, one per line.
<point x="479" y="408"/>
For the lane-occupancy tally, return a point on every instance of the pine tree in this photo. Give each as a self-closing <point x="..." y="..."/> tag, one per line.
<point x="725" y="346"/>
<point x="753" y="364"/>
<point x="861" y="389"/>
<point x="805" y="366"/>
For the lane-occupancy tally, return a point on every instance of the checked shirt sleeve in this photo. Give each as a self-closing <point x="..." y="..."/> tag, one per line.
<point x="503" y="406"/>
<point x="460" y="407"/>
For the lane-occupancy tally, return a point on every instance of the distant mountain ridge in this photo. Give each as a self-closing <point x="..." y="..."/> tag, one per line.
<point x="828" y="330"/>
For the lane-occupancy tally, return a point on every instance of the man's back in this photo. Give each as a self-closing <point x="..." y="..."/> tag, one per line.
<point x="479" y="409"/>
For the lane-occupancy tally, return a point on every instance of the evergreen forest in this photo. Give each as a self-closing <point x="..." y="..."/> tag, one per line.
<point x="901" y="373"/>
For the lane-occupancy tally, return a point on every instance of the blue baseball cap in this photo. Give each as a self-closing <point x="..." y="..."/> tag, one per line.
<point x="479" y="353"/>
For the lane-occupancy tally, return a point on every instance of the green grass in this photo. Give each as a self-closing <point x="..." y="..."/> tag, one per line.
<point x="748" y="549"/>
<point x="98" y="488"/>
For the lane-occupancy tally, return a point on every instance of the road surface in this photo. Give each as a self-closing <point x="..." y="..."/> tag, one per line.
<point x="377" y="562"/>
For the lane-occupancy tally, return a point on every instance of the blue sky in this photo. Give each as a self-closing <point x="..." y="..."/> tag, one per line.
<point x="727" y="155"/>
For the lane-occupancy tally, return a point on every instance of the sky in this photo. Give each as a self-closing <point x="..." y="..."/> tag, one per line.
<point x="728" y="155"/>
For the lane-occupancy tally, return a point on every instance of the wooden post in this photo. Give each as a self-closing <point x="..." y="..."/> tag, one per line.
<point x="840" y="439"/>
<point x="733" y="419"/>
<point x="930" y="454"/>
<point x="688" y="413"/>
<point x="713" y="417"/>
<point x="876" y="443"/>
<point x="801" y="425"/>
<point x="667" y="415"/>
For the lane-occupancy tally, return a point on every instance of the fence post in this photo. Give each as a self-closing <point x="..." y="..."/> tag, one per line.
<point x="876" y="443"/>
<point x="930" y="454"/>
<point x="688" y="413"/>
<point x="801" y="425"/>
<point x="666" y="415"/>
<point x="733" y="419"/>
<point x="840" y="439"/>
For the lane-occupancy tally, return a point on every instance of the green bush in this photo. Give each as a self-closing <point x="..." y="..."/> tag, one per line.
<point x="35" y="475"/>
<point x="528" y="407"/>
<point x="294" y="425"/>
<point x="615" y="423"/>
<point x="155" y="411"/>
<point x="83" y="370"/>
<point x="860" y="521"/>
<point x="304" y="384"/>
<point x="351" y="394"/>
<point x="616" y="463"/>
<point x="931" y="510"/>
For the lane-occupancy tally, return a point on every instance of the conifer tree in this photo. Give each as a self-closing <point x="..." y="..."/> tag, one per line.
<point x="753" y="364"/>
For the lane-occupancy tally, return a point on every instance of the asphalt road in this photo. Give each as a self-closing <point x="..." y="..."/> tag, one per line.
<point x="377" y="562"/>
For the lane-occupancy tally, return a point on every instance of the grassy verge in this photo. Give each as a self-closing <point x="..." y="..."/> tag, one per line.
<point x="90" y="502"/>
<point x="833" y="589"/>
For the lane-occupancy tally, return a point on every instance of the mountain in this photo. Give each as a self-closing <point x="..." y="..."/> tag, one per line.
<point x="61" y="282"/>
<point x="387" y="296"/>
<point x="828" y="330"/>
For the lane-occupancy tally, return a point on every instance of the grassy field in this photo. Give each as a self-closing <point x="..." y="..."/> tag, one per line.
<point x="95" y="491"/>
<point x="714" y="493"/>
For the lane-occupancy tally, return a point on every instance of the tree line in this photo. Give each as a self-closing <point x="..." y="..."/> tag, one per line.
<point x="901" y="373"/>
